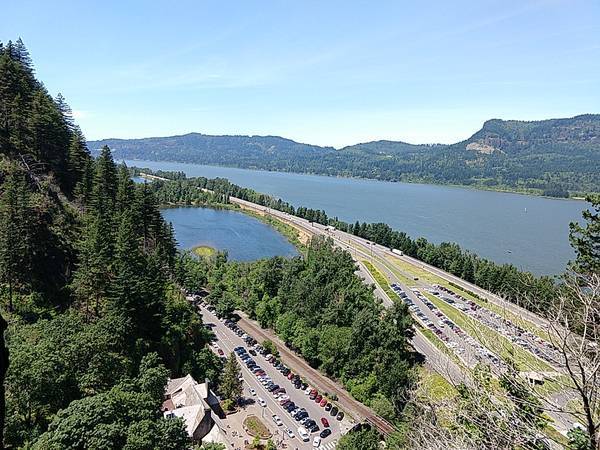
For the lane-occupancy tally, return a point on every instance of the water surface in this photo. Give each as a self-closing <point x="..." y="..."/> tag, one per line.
<point x="528" y="231"/>
<point x="243" y="237"/>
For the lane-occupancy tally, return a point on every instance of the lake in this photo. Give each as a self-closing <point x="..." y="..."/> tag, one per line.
<point x="528" y="231"/>
<point x="243" y="237"/>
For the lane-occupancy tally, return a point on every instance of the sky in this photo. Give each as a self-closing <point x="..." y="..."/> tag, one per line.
<point x="324" y="72"/>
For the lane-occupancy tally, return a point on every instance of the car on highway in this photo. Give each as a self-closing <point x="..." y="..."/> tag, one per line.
<point x="261" y="402"/>
<point x="325" y="422"/>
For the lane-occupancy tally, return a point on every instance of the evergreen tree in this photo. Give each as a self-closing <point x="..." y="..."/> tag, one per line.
<point x="586" y="240"/>
<point x="231" y="385"/>
<point x="105" y="183"/>
<point x="15" y="233"/>
<point x="78" y="162"/>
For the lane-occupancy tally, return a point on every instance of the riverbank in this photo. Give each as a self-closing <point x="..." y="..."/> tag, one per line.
<point x="575" y="195"/>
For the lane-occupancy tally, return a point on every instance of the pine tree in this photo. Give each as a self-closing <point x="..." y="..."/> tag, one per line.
<point x="92" y="278"/>
<point x="104" y="189"/>
<point x="586" y="240"/>
<point x="125" y="190"/>
<point x="78" y="160"/>
<point x="65" y="111"/>
<point x="231" y="385"/>
<point x="15" y="233"/>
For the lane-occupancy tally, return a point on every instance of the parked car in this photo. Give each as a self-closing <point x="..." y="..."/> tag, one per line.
<point x="328" y="407"/>
<point x="316" y="441"/>
<point x="261" y="402"/>
<point x="340" y="416"/>
<point x="326" y="432"/>
<point x="324" y="421"/>
<point x="323" y="403"/>
<point x="303" y="434"/>
<point x="318" y="398"/>
<point x="252" y="392"/>
<point x="277" y="420"/>
<point x="333" y="411"/>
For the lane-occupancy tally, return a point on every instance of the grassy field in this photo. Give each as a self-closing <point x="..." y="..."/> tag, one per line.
<point x="381" y="280"/>
<point x="434" y="386"/>
<point x="490" y="338"/>
<point x="204" y="251"/>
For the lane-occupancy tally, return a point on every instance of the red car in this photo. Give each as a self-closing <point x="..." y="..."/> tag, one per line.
<point x="220" y="352"/>
<point x="290" y="376"/>
<point x="325" y="422"/>
<point x="318" y="398"/>
<point x="323" y="402"/>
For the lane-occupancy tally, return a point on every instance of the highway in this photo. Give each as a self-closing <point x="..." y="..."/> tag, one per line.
<point x="468" y="352"/>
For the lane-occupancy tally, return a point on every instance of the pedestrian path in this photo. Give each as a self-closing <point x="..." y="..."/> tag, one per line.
<point x="329" y="446"/>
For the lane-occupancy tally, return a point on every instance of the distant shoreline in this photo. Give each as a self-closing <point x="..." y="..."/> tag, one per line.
<point x="348" y="177"/>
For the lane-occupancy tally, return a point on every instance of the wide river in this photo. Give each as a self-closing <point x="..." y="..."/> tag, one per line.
<point x="527" y="231"/>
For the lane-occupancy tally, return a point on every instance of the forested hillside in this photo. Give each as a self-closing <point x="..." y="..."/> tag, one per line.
<point x="95" y="322"/>
<point x="558" y="157"/>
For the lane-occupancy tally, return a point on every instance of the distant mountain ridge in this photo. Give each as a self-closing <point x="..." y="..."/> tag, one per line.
<point x="557" y="157"/>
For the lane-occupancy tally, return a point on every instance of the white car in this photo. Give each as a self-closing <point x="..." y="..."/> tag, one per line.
<point x="303" y="434"/>
<point x="261" y="402"/>
<point x="290" y="433"/>
<point x="277" y="420"/>
<point x="307" y="391"/>
<point x="316" y="441"/>
<point x="252" y="392"/>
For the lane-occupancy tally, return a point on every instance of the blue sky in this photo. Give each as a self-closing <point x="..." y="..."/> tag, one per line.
<point x="325" y="72"/>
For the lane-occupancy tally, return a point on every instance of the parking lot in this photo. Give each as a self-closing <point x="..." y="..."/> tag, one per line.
<point x="296" y="414"/>
<point x="465" y="347"/>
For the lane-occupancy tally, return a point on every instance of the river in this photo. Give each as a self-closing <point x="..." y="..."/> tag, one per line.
<point x="528" y="231"/>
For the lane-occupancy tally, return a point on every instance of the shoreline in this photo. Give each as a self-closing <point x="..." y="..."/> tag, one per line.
<point x="577" y="197"/>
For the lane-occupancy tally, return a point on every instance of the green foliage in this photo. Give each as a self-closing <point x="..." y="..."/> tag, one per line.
<point x="578" y="439"/>
<point x="126" y="416"/>
<point x="502" y="279"/>
<point x="213" y="446"/>
<point x="586" y="239"/>
<point x="320" y="308"/>
<point x="268" y="345"/>
<point x="86" y="263"/>
<point x="549" y="157"/>
<point x="231" y="385"/>
<point x="365" y="439"/>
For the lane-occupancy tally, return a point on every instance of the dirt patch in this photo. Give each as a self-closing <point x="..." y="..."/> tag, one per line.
<point x="254" y="427"/>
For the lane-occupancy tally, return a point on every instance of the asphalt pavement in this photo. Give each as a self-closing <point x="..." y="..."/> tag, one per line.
<point x="227" y="340"/>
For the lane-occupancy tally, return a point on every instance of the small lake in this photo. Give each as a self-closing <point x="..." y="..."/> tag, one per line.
<point x="243" y="237"/>
<point x="528" y="231"/>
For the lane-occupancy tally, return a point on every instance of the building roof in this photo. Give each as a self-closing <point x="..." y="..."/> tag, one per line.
<point x="191" y="415"/>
